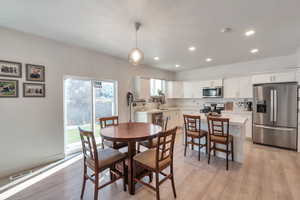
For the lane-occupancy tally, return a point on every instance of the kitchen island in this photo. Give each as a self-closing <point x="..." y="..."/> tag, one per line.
<point x="237" y="126"/>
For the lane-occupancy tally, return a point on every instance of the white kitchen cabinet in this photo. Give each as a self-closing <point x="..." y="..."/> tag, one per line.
<point x="192" y="89"/>
<point x="231" y="88"/>
<point x="274" y="77"/>
<point x="187" y="89"/>
<point x="212" y="83"/>
<point x="141" y="88"/>
<point x="240" y="87"/>
<point x="245" y="87"/>
<point x="175" y="89"/>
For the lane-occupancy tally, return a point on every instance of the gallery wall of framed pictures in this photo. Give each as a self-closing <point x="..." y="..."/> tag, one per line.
<point x="11" y="75"/>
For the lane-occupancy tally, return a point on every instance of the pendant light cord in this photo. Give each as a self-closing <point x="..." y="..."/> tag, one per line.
<point x="136" y="38"/>
<point x="137" y="27"/>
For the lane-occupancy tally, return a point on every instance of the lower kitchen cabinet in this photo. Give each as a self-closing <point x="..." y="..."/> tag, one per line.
<point x="175" y="117"/>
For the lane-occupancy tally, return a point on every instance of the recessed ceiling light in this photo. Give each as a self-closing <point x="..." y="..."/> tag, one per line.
<point x="192" y="48"/>
<point x="208" y="59"/>
<point x="177" y="65"/>
<point x="156" y="58"/>
<point x="254" y="51"/>
<point x="250" y="32"/>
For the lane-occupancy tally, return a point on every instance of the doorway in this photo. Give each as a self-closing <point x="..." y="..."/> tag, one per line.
<point x="85" y="101"/>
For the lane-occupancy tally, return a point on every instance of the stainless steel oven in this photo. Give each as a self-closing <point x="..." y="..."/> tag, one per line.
<point x="216" y="92"/>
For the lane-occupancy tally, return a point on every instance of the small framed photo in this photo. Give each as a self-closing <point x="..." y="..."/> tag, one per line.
<point x="10" y="69"/>
<point x="35" y="73"/>
<point x="9" y="88"/>
<point x="34" y="90"/>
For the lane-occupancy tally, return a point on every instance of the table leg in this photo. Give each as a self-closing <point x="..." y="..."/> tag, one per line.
<point x="131" y="153"/>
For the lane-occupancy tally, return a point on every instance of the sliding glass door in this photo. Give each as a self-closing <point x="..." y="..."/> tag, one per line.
<point x="86" y="100"/>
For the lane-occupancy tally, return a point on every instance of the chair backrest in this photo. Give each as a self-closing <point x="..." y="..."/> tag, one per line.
<point x="89" y="148"/>
<point x="218" y="126"/>
<point x="192" y="123"/>
<point x="159" y="120"/>
<point x="165" y="146"/>
<point x="109" y="121"/>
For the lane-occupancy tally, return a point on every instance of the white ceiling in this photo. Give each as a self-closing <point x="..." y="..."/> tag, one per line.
<point x="169" y="27"/>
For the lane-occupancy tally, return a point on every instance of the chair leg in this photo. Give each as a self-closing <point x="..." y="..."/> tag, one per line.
<point x="84" y="182"/>
<point x="185" y="145"/>
<point x="192" y="144"/>
<point x="138" y="147"/>
<point x="227" y="154"/>
<point x="206" y="144"/>
<point x="112" y="176"/>
<point x="157" y="185"/>
<point x="150" y="177"/>
<point x="209" y="150"/>
<point x="199" y="150"/>
<point x="124" y="175"/>
<point x="96" y="186"/>
<point x="232" y="151"/>
<point x="102" y="142"/>
<point x="172" y="180"/>
<point x="214" y="145"/>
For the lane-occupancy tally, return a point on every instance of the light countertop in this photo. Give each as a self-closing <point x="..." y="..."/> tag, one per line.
<point x="234" y="118"/>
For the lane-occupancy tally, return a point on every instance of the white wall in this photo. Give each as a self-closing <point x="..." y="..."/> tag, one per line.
<point x="240" y="69"/>
<point x="32" y="129"/>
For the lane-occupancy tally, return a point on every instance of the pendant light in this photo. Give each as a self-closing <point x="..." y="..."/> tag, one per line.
<point x="136" y="55"/>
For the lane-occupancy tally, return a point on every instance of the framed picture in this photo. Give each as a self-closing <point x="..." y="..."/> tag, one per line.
<point x="10" y="69"/>
<point x="34" y="90"/>
<point x="9" y="88"/>
<point x="35" y="73"/>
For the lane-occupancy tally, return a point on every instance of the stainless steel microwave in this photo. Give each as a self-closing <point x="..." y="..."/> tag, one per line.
<point x="215" y="92"/>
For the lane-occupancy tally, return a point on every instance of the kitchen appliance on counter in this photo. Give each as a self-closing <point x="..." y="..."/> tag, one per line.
<point x="212" y="92"/>
<point x="248" y="106"/>
<point x="275" y="114"/>
<point x="213" y="107"/>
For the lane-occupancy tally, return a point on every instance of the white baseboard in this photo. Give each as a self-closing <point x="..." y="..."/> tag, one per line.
<point x="11" y="171"/>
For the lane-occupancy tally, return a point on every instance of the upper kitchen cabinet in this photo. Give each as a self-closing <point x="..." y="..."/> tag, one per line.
<point x="212" y="83"/>
<point x="240" y="87"/>
<point x="274" y="77"/>
<point x="141" y="88"/>
<point x="192" y="89"/>
<point x="174" y="89"/>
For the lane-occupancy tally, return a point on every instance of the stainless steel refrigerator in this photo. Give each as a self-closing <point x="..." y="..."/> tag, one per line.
<point x="275" y="110"/>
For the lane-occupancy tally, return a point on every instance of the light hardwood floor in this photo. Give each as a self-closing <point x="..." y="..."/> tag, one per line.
<point x="267" y="174"/>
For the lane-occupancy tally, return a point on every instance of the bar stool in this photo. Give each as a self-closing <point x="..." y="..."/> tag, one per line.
<point x="192" y="125"/>
<point x="217" y="135"/>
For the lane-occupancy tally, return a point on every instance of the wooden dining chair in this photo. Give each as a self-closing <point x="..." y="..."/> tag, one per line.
<point x="158" y="159"/>
<point x="111" y="121"/>
<point x="218" y="129"/>
<point x="99" y="160"/>
<point x="151" y="143"/>
<point x="193" y="132"/>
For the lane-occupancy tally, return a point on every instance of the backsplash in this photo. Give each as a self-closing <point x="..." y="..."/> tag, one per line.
<point x="192" y="103"/>
<point x="199" y="103"/>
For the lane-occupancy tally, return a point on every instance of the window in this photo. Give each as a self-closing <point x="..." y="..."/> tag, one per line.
<point x="157" y="86"/>
<point x="85" y="102"/>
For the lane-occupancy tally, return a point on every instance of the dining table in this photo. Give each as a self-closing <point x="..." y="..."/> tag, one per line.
<point x="131" y="132"/>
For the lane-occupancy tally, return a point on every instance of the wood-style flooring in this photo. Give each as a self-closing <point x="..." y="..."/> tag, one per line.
<point x="267" y="174"/>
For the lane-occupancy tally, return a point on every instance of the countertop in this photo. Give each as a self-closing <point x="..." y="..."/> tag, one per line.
<point x="150" y="111"/>
<point x="234" y="117"/>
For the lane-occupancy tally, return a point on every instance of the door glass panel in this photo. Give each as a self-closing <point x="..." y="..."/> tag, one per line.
<point x="78" y="110"/>
<point x="105" y="101"/>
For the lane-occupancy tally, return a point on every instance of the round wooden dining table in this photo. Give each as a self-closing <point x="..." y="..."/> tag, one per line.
<point x="131" y="133"/>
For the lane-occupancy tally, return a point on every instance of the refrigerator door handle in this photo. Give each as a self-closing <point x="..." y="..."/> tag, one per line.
<point x="272" y="105"/>
<point x="275" y="128"/>
<point x="275" y="106"/>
